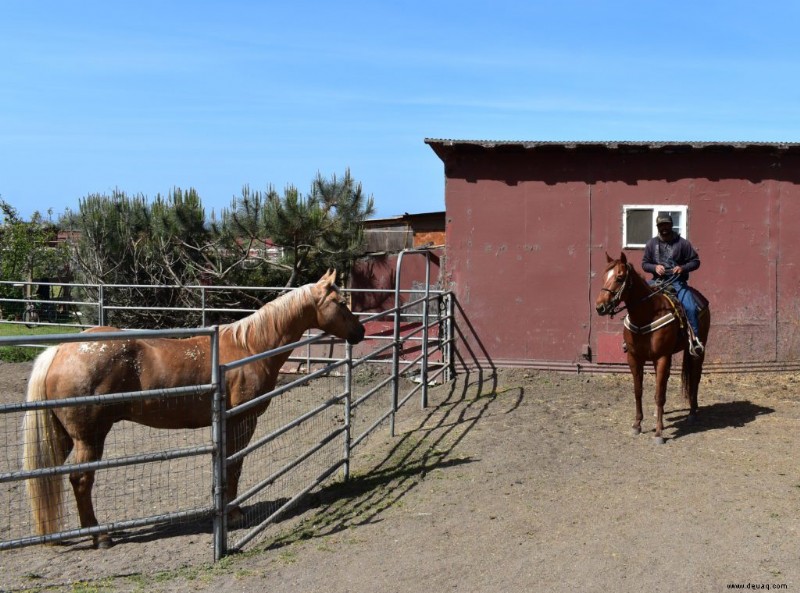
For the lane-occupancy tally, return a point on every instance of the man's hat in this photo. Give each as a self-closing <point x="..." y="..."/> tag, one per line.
<point x="664" y="218"/>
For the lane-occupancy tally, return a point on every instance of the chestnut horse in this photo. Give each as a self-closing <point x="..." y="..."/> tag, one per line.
<point x="116" y="366"/>
<point x="653" y="331"/>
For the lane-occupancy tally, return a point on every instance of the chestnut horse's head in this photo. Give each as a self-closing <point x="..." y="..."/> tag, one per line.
<point x="616" y="281"/>
<point x="333" y="314"/>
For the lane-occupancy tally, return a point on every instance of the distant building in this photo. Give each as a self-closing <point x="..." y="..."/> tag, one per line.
<point x="385" y="238"/>
<point x="406" y="231"/>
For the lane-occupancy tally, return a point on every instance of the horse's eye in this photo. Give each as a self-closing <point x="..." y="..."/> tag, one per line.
<point x="620" y="278"/>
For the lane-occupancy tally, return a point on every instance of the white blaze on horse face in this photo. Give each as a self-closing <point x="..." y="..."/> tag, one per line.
<point x="610" y="275"/>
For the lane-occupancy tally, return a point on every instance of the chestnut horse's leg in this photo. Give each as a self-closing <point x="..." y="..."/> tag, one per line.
<point x="240" y="433"/>
<point x="637" y="370"/>
<point x="82" y="482"/>
<point x="663" y="366"/>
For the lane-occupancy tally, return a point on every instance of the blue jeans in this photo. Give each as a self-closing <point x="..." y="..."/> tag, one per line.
<point x="689" y="305"/>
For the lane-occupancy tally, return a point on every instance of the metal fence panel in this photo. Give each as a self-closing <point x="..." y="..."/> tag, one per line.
<point x="305" y="437"/>
<point x="142" y="479"/>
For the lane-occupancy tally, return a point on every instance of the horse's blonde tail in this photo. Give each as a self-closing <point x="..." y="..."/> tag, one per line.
<point x="45" y="445"/>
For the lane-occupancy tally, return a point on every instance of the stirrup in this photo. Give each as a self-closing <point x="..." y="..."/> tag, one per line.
<point x="696" y="347"/>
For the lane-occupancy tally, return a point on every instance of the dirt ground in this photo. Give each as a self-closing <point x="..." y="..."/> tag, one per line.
<point x="515" y="482"/>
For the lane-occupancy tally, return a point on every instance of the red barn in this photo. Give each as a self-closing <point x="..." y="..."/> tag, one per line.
<point x="529" y="223"/>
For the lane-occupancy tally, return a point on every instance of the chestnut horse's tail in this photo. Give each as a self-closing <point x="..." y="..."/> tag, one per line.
<point x="687" y="368"/>
<point x="45" y="445"/>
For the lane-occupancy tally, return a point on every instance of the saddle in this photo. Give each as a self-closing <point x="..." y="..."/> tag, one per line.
<point x="678" y="314"/>
<point x="701" y="303"/>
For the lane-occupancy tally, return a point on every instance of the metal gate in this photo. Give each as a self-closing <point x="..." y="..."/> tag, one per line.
<point x="157" y="479"/>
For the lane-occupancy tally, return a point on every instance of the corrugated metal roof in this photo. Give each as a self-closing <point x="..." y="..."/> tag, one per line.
<point x="405" y="217"/>
<point x="611" y="143"/>
<point x="445" y="148"/>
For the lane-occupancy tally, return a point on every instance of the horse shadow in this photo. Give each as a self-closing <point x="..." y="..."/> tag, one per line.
<point x="734" y="414"/>
<point x="253" y="515"/>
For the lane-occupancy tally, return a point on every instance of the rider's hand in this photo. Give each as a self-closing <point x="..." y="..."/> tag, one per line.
<point x="660" y="270"/>
<point x="677" y="270"/>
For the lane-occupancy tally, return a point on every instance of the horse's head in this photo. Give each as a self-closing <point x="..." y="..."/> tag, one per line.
<point x="616" y="281"/>
<point x="333" y="314"/>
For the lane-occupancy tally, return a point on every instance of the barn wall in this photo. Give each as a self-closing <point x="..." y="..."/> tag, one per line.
<point x="788" y="270"/>
<point x="520" y="278"/>
<point x="527" y="233"/>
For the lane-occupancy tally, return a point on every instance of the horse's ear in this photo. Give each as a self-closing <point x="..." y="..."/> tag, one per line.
<point x="622" y="257"/>
<point x="609" y="259"/>
<point x="329" y="278"/>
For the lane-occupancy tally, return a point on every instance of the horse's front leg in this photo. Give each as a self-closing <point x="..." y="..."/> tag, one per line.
<point x="239" y="435"/>
<point x="82" y="483"/>
<point x="637" y="370"/>
<point x="663" y="366"/>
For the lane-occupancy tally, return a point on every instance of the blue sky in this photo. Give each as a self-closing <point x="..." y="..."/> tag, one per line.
<point x="148" y="95"/>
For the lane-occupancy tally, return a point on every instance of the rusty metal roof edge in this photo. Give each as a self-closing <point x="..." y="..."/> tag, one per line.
<point x="527" y="144"/>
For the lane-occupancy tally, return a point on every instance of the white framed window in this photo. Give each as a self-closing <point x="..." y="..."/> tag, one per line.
<point x="639" y="223"/>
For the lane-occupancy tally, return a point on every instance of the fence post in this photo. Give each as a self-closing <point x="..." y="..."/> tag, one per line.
<point x="448" y="336"/>
<point x="348" y="402"/>
<point x="396" y="351"/>
<point x="425" y="329"/>
<point x="101" y="305"/>
<point x="203" y="306"/>
<point x="218" y="436"/>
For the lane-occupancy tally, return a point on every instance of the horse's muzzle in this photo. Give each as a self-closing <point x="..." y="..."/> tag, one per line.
<point x="357" y="334"/>
<point x="604" y="309"/>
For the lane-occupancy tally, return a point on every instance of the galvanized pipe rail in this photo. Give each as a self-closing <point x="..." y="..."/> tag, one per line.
<point x="398" y="343"/>
<point x="219" y="507"/>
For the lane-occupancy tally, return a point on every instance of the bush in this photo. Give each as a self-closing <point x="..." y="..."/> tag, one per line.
<point x="18" y="353"/>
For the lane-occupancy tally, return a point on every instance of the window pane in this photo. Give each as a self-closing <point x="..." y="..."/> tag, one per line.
<point x="639" y="225"/>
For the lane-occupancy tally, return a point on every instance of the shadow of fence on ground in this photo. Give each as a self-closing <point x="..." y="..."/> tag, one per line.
<point x="429" y="446"/>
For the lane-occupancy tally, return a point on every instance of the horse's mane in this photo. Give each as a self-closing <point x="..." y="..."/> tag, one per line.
<point x="275" y="314"/>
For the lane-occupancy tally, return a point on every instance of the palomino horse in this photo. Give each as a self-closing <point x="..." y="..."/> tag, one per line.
<point x="652" y="332"/>
<point x="115" y="366"/>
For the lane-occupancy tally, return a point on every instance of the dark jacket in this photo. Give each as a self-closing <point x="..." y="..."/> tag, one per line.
<point x="683" y="254"/>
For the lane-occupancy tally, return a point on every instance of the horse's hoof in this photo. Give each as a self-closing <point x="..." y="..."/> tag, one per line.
<point x="235" y="517"/>
<point x="659" y="440"/>
<point x="103" y="543"/>
<point x="636" y="431"/>
<point x="691" y="420"/>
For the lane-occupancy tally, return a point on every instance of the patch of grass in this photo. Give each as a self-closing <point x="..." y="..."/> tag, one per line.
<point x="18" y="353"/>
<point x="93" y="586"/>
<point x="288" y="556"/>
<point x="24" y="353"/>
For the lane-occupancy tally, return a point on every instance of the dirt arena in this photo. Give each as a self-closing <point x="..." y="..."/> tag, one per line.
<point x="514" y="482"/>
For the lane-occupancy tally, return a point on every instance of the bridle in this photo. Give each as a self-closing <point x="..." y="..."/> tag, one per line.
<point x="616" y="295"/>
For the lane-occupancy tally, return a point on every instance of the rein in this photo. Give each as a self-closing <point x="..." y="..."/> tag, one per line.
<point x="616" y="297"/>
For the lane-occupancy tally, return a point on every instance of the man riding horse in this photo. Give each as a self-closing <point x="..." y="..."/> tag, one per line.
<point x="668" y="256"/>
